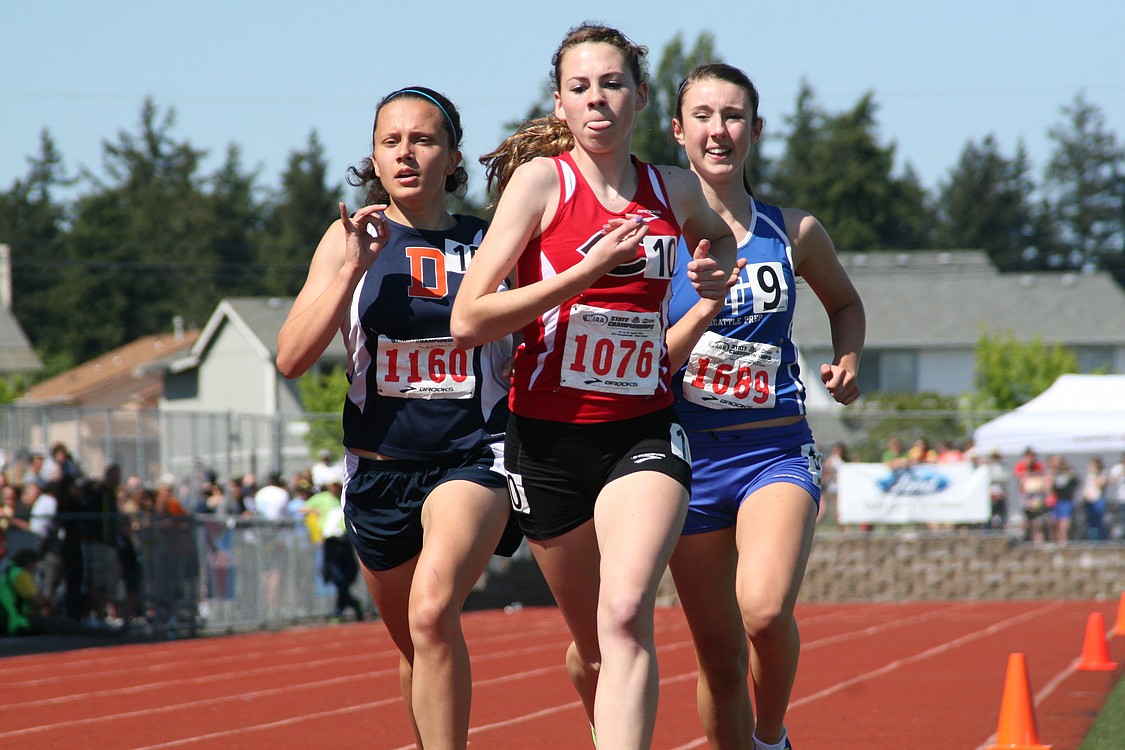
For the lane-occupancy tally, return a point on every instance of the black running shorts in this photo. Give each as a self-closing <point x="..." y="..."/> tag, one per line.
<point x="556" y="470"/>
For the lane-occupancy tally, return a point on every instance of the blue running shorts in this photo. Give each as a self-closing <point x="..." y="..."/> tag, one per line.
<point x="729" y="465"/>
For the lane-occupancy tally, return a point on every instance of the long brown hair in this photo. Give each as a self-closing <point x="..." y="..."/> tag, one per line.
<point x="549" y="136"/>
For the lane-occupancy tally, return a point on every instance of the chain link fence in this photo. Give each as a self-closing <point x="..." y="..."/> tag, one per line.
<point x="151" y="444"/>
<point x="217" y="574"/>
<point x="181" y="576"/>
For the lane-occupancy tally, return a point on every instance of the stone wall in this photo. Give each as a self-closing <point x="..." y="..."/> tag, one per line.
<point x="848" y="567"/>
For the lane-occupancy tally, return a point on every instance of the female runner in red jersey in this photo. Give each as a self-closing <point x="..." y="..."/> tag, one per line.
<point x="598" y="467"/>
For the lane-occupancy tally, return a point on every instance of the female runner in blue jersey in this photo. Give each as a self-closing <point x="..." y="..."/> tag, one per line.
<point x="755" y="466"/>
<point x="425" y="499"/>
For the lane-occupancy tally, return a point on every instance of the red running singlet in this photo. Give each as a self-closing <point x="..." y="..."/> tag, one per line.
<point x="600" y="356"/>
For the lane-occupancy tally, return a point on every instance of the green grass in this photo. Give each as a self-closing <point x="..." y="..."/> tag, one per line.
<point x="1108" y="732"/>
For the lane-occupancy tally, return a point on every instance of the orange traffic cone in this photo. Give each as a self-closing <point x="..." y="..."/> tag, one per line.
<point x="1120" y="629"/>
<point x="1095" y="654"/>
<point x="1017" y="729"/>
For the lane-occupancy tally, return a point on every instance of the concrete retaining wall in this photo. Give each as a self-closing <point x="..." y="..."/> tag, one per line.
<point x="863" y="567"/>
<point x="847" y="567"/>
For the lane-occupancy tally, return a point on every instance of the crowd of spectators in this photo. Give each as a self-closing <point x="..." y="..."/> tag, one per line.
<point x="82" y="552"/>
<point x="1062" y="503"/>
<point x="71" y="545"/>
<point x="1037" y="499"/>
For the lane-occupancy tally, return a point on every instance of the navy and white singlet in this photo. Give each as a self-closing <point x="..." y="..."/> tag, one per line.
<point x="413" y="395"/>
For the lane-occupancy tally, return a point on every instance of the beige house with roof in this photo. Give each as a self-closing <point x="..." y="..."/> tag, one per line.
<point x="105" y="410"/>
<point x="227" y="389"/>
<point x="16" y="354"/>
<point x="927" y="310"/>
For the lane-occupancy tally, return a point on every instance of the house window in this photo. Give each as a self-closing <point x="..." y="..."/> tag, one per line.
<point x="1094" y="359"/>
<point x="889" y="372"/>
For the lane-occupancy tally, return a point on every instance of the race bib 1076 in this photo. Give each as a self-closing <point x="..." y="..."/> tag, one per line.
<point x="612" y="351"/>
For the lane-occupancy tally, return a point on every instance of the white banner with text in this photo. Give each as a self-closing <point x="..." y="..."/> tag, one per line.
<point x="922" y="493"/>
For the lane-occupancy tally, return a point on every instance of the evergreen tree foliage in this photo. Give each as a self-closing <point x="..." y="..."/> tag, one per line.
<point x="32" y="224"/>
<point x="986" y="203"/>
<point x="652" y="135"/>
<point x="835" y="168"/>
<point x="1084" y="179"/>
<point x="296" y="218"/>
<point x="153" y="243"/>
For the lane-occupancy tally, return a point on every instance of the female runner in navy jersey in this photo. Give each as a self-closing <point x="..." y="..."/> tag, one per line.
<point x="597" y="464"/>
<point x="756" y="470"/>
<point x="423" y="419"/>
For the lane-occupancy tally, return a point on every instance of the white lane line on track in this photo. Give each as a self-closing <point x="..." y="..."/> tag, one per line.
<point x="873" y="629"/>
<point x="239" y="673"/>
<point x="1049" y="688"/>
<point x="923" y="655"/>
<point x="507" y="678"/>
<point x="897" y="663"/>
<point x="319" y="683"/>
<point x="265" y="693"/>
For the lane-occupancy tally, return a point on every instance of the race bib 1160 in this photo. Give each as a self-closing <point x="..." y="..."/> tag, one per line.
<point x="424" y="368"/>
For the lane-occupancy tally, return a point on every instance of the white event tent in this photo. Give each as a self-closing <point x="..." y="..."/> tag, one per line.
<point x="1077" y="414"/>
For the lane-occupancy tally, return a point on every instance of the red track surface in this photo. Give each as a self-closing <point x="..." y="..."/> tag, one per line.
<point x="911" y="676"/>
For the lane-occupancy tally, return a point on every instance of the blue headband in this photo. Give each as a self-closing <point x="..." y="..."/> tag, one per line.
<point x="456" y="134"/>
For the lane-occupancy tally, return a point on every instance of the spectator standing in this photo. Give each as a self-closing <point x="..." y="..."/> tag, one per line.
<point x="271" y="505"/>
<point x="165" y="501"/>
<point x="236" y="497"/>
<point x="921" y="452"/>
<point x="1031" y="476"/>
<point x="103" y="559"/>
<point x="1063" y="486"/>
<point x="271" y="502"/>
<point x="948" y="453"/>
<point x="15" y="520"/>
<point x="62" y="463"/>
<point x="830" y="477"/>
<point x="302" y="491"/>
<point x="23" y="609"/>
<point x="338" y="562"/>
<point x="324" y="471"/>
<point x="1115" y="494"/>
<point x="999" y="482"/>
<point x="895" y="455"/>
<point x="44" y="524"/>
<point x="1094" y="485"/>
<point x="36" y="472"/>
<point x="41" y="509"/>
<point x="72" y="532"/>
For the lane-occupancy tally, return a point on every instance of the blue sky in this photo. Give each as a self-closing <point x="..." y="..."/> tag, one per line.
<point x="263" y="75"/>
